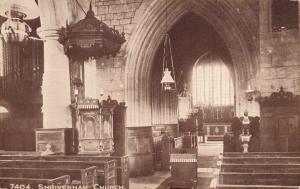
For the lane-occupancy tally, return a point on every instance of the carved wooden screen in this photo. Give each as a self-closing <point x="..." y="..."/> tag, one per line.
<point x="280" y="129"/>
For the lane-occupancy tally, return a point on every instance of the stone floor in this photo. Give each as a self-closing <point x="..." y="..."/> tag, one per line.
<point x="208" y="154"/>
<point x="149" y="182"/>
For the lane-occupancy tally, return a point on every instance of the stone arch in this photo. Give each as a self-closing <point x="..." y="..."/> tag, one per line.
<point x="236" y="31"/>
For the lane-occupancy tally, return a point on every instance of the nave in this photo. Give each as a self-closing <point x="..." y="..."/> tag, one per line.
<point x="150" y="93"/>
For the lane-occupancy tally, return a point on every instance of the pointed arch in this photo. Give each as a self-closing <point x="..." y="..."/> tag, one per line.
<point x="146" y="38"/>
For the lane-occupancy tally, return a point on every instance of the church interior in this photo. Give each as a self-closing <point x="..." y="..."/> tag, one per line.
<point x="152" y="94"/>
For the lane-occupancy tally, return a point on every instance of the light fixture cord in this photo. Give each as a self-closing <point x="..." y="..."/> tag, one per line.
<point x="172" y="62"/>
<point x="80" y="7"/>
<point x="166" y="15"/>
<point x="165" y="65"/>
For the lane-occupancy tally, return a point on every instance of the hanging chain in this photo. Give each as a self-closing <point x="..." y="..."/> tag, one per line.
<point x="172" y="62"/>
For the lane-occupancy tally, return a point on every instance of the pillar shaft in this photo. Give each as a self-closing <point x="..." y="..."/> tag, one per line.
<point x="56" y="83"/>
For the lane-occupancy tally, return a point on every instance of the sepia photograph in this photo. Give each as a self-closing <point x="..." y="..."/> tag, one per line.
<point x="149" y="94"/>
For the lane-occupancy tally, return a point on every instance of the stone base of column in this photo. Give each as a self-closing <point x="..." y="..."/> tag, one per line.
<point x="140" y="151"/>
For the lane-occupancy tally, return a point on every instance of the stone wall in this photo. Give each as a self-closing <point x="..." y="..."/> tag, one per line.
<point x="118" y="14"/>
<point x="280" y="64"/>
<point x="279" y="56"/>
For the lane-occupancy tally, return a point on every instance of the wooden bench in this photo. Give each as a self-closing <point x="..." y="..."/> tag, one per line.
<point x="238" y="178"/>
<point x="101" y="167"/>
<point x="228" y="186"/>
<point x="12" y="157"/>
<point x="261" y="168"/>
<point x="261" y="154"/>
<point x="122" y="164"/>
<point x="106" y="172"/>
<point x="261" y="160"/>
<point x="8" y="182"/>
<point x="82" y="176"/>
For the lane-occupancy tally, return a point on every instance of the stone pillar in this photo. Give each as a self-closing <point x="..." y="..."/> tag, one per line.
<point x="56" y="82"/>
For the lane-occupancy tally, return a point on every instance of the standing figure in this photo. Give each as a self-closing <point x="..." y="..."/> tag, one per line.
<point x="165" y="152"/>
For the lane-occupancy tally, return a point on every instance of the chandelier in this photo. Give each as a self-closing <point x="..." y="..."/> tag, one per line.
<point x="14" y="29"/>
<point x="90" y="37"/>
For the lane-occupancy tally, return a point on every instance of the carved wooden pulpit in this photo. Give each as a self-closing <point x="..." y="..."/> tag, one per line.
<point x="94" y="126"/>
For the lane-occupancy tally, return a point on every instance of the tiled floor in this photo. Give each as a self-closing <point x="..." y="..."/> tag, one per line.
<point x="207" y="156"/>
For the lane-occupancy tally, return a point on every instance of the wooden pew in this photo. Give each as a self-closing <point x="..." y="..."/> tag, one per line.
<point x="261" y="154"/>
<point x="101" y="166"/>
<point x="8" y="182"/>
<point x="122" y="163"/>
<point x="260" y="160"/>
<point x="261" y="168"/>
<point x="228" y="186"/>
<point x="83" y="176"/>
<point x="12" y="157"/>
<point x="239" y="178"/>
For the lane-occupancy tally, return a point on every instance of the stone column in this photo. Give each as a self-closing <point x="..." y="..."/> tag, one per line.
<point x="56" y="82"/>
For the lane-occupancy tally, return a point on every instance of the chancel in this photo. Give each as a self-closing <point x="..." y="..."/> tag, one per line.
<point x="150" y="93"/>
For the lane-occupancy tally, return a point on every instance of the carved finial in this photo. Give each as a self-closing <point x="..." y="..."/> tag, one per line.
<point x="90" y="6"/>
<point x="281" y="89"/>
<point x="90" y="13"/>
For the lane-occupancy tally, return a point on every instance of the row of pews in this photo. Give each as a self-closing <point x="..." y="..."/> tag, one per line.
<point x="80" y="170"/>
<point x="261" y="170"/>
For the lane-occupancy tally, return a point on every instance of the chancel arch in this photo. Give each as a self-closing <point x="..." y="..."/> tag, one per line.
<point x="238" y="36"/>
<point x="147" y="37"/>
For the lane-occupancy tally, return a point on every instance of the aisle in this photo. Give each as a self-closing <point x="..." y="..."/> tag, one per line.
<point x="149" y="182"/>
<point x="208" y="155"/>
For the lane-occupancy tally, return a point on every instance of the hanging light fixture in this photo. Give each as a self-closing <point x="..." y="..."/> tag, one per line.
<point x="14" y="29"/>
<point x="167" y="81"/>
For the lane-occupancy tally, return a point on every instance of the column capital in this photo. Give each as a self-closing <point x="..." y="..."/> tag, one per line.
<point x="50" y="33"/>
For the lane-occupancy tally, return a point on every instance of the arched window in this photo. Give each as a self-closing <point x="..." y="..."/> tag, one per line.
<point x="212" y="82"/>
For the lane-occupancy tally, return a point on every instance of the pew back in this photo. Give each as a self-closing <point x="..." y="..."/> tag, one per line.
<point x="261" y="168"/>
<point x="238" y="178"/>
<point x="84" y="176"/>
<point x="10" y="182"/>
<point x="260" y="160"/>
<point x="114" y="173"/>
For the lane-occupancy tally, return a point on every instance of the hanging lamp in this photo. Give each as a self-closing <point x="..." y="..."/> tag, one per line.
<point x="168" y="78"/>
<point x="167" y="81"/>
<point x="15" y="29"/>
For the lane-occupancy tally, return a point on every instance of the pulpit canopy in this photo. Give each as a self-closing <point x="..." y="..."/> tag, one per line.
<point x="90" y="37"/>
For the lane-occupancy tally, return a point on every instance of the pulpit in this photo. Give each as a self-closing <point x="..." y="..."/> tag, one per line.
<point x="99" y="128"/>
<point x="94" y="126"/>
